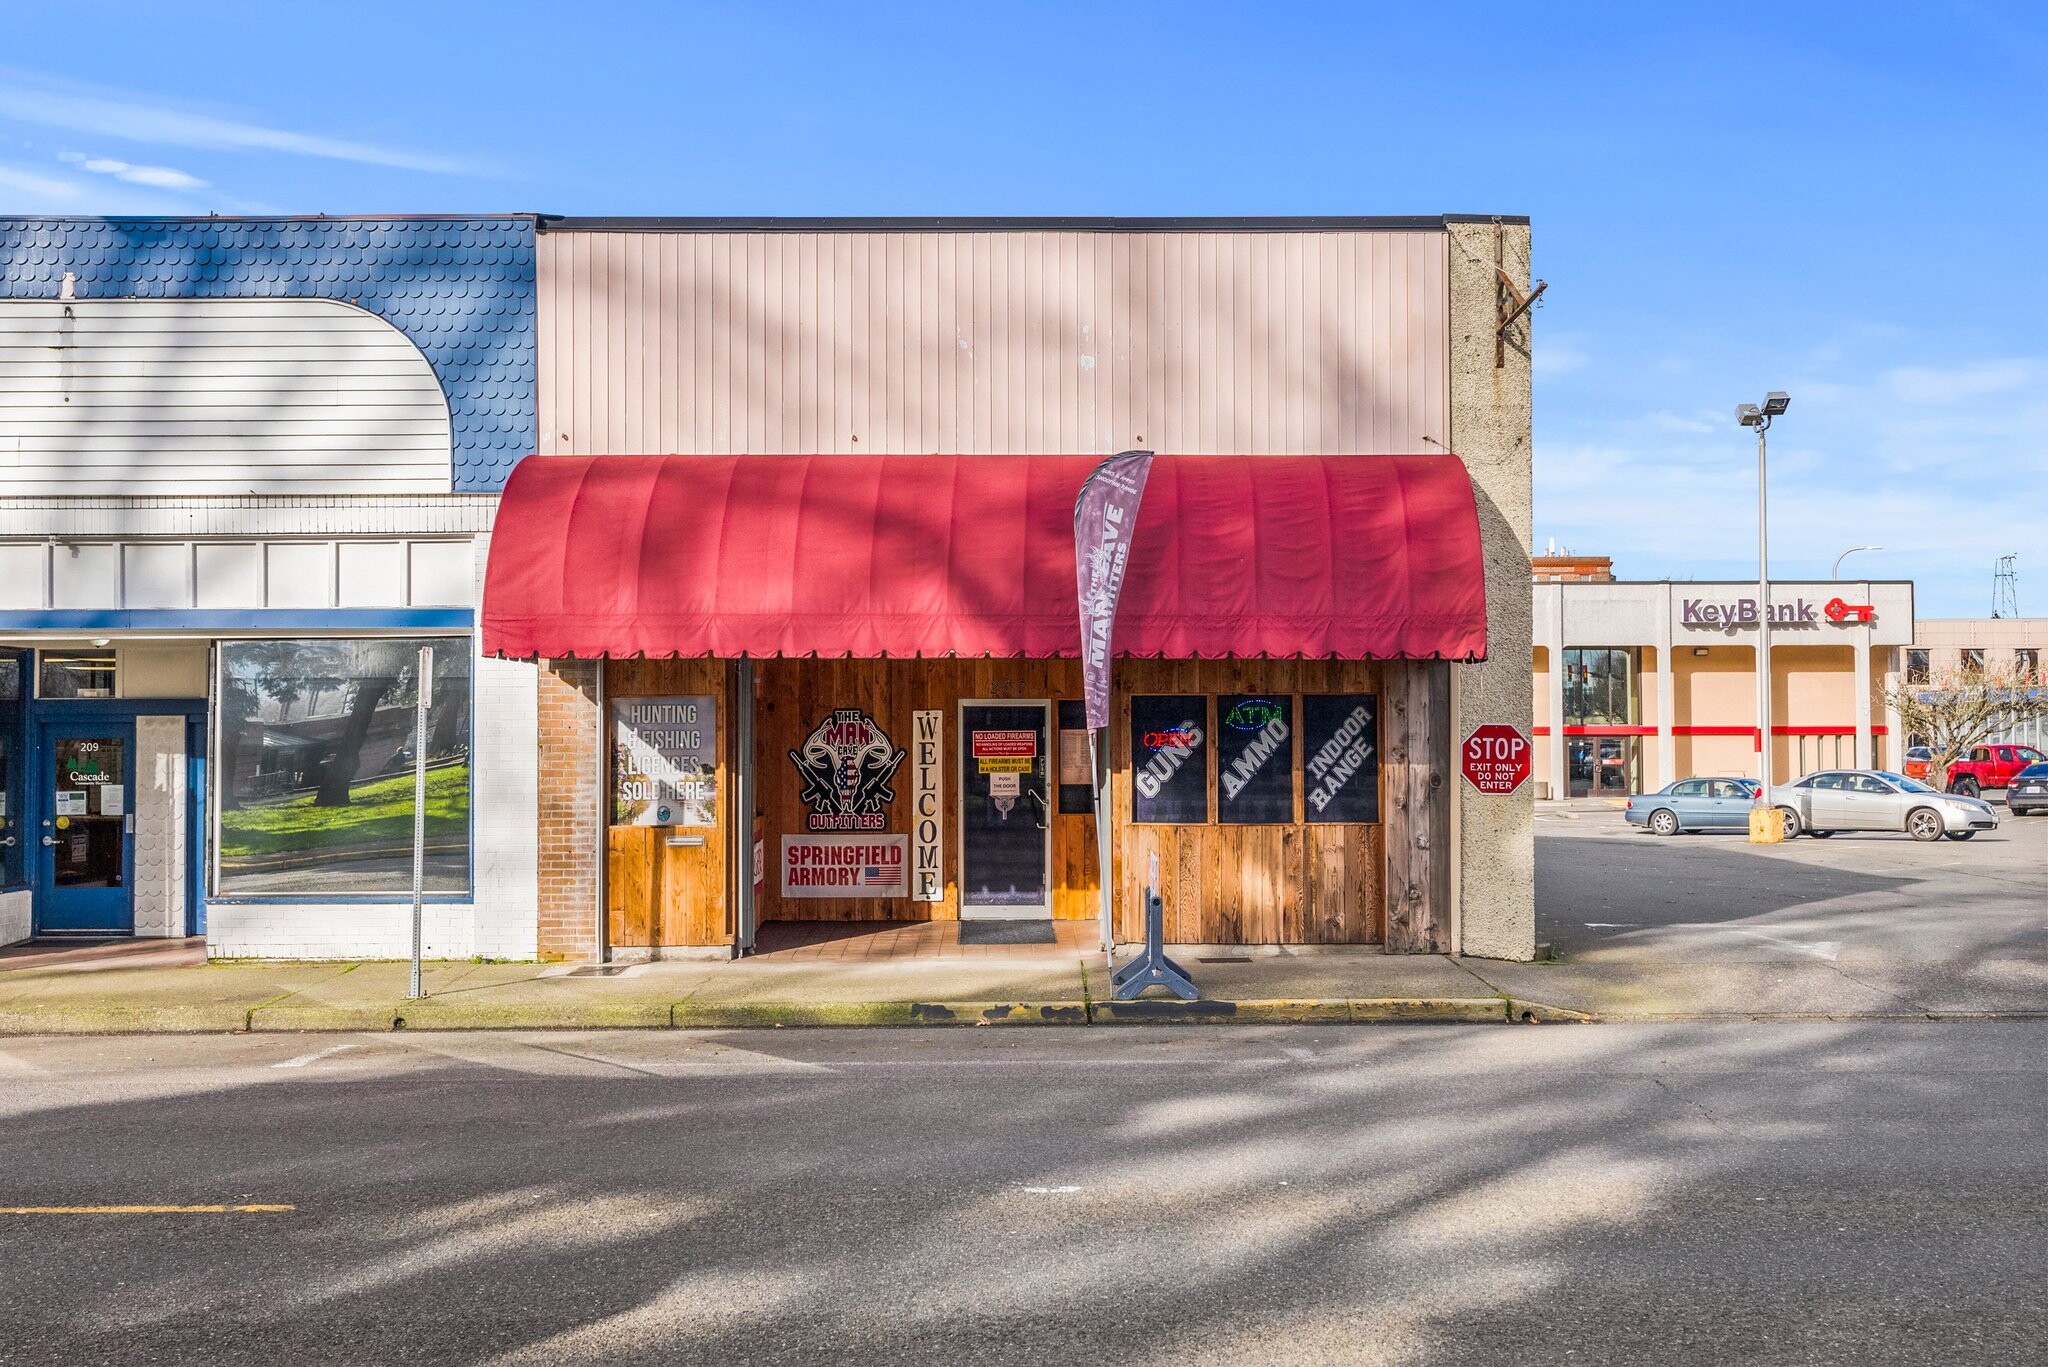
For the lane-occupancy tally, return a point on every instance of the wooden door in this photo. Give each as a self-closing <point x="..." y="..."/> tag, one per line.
<point x="667" y="854"/>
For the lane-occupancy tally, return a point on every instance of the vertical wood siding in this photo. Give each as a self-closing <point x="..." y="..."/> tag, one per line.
<point x="1294" y="883"/>
<point x="918" y="342"/>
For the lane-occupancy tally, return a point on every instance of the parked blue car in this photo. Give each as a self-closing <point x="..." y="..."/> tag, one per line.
<point x="1695" y="804"/>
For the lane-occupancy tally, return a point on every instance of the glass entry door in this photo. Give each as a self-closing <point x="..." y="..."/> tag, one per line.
<point x="1005" y="810"/>
<point x="86" y="855"/>
<point x="1603" y="766"/>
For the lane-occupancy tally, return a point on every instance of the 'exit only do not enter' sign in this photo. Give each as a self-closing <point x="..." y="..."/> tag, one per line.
<point x="1495" y="759"/>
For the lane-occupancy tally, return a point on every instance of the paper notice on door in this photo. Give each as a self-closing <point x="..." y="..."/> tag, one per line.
<point x="71" y="802"/>
<point x="111" y="801"/>
<point x="1074" y="766"/>
<point x="1005" y="785"/>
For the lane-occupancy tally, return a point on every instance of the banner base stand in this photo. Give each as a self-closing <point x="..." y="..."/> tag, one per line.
<point x="1152" y="968"/>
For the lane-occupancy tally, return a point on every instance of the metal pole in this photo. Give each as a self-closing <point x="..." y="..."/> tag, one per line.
<point x="425" y="678"/>
<point x="1763" y="623"/>
<point x="1098" y="772"/>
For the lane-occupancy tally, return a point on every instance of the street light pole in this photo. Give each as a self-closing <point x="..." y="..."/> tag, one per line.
<point x="1759" y="417"/>
<point x="1837" y="571"/>
<point x="1763" y="614"/>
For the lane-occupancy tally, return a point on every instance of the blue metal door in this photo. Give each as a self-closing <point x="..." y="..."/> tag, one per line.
<point x="85" y="861"/>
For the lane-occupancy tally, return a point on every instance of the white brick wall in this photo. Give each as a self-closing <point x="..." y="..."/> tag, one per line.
<point x="346" y="930"/>
<point x="14" y="917"/>
<point x="505" y="749"/>
<point x="505" y="876"/>
<point x="160" y="835"/>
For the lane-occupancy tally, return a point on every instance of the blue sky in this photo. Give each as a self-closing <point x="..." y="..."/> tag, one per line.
<point x="1836" y="200"/>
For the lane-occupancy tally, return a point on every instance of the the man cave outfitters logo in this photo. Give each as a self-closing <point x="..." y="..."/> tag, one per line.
<point x="846" y="763"/>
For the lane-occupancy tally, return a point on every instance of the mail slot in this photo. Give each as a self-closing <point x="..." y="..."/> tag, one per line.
<point x="693" y="841"/>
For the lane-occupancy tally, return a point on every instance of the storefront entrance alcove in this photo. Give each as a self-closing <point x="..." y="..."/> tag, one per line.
<point x="101" y="788"/>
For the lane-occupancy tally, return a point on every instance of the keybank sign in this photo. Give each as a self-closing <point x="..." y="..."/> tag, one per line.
<point x="1741" y="612"/>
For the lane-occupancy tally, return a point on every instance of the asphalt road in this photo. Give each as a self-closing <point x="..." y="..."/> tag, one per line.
<point x="1419" y="1195"/>
<point x="1605" y="887"/>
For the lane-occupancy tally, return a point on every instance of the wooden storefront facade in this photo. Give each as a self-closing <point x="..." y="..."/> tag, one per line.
<point x="1291" y="881"/>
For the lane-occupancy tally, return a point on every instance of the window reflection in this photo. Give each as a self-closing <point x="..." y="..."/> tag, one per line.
<point x="1599" y="686"/>
<point x="315" y="772"/>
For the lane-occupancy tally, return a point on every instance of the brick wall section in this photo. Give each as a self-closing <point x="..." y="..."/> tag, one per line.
<point x="569" y="809"/>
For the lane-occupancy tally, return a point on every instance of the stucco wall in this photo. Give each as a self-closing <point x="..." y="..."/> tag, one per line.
<point x="1490" y="421"/>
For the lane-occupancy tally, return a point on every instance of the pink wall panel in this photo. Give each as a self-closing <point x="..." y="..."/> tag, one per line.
<point x="1293" y="342"/>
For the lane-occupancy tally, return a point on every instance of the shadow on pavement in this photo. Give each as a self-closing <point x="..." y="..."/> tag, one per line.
<point x="1424" y="1197"/>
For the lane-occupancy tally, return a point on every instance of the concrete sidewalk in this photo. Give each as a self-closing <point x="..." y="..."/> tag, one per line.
<point x="128" y="991"/>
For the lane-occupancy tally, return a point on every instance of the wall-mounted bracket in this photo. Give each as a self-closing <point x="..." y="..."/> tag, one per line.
<point x="1509" y="303"/>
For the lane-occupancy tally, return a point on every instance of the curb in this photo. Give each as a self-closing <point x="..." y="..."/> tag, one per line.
<point x="780" y="1015"/>
<point x="1356" y="1011"/>
<point x="434" y="1014"/>
<point x="176" y="1020"/>
<point x="442" y="1014"/>
<point x="1541" y="1013"/>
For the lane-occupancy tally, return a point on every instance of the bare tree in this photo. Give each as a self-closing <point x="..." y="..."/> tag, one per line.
<point x="1955" y="710"/>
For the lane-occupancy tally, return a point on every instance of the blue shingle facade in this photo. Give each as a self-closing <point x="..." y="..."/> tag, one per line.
<point x="461" y="288"/>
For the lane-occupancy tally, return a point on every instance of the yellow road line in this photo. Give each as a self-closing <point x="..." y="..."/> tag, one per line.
<point x="143" y="1210"/>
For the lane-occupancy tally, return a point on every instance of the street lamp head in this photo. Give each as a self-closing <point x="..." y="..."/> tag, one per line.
<point x="1776" y="402"/>
<point x="1748" y="414"/>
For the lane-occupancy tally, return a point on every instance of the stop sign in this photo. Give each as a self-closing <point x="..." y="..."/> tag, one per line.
<point x="1495" y="758"/>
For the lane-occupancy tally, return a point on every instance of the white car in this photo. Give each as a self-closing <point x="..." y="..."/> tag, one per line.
<point x="1876" y="800"/>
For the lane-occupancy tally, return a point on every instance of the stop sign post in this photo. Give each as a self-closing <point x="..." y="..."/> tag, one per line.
<point x="1495" y="759"/>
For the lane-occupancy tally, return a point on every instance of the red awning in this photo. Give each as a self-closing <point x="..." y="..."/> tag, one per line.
<point x="1349" y="557"/>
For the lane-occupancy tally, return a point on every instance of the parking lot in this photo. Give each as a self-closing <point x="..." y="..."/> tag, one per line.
<point x="1945" y="926"/>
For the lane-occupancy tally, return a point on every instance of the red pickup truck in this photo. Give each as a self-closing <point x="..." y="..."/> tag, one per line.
<point x="1990" y="766"/>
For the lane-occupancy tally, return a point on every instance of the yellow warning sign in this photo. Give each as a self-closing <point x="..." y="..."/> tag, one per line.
<point x="1006" y="764"/>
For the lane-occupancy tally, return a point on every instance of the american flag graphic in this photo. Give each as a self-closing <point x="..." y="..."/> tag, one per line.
<point x="873" y="877"/>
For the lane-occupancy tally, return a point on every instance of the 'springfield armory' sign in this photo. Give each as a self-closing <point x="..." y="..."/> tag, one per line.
<point x="1731" y="614"/>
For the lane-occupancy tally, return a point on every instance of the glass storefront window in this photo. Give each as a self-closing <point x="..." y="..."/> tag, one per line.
<point x="313" y="784"/>
<point x="1599" y="686"/>
<point x="77" y="674"/>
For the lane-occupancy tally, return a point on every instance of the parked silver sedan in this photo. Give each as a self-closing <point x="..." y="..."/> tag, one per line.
<point x="1875" y="800"/>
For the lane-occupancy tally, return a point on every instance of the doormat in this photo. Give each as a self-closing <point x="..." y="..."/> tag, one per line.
<point x="1007" y="933"/>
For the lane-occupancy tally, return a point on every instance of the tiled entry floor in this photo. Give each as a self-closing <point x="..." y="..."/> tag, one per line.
<point x="885" y="941"/>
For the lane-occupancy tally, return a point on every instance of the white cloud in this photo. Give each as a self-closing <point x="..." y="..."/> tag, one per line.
<point x="1954" y="384"/>
<point x="157" y="177"/>
<point x="47" y="190"/>
<point x="37" y="100"/>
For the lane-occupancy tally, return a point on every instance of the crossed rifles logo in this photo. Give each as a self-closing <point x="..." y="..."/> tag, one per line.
<point x="846" y="763"/>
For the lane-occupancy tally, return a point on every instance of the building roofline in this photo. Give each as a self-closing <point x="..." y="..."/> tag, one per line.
<point x="1007" y="223"/>
<point x="262" y="218"/>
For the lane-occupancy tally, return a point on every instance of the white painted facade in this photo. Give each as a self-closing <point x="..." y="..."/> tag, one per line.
<point x="220" y="396"/>
<point x="178" y="473"/>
